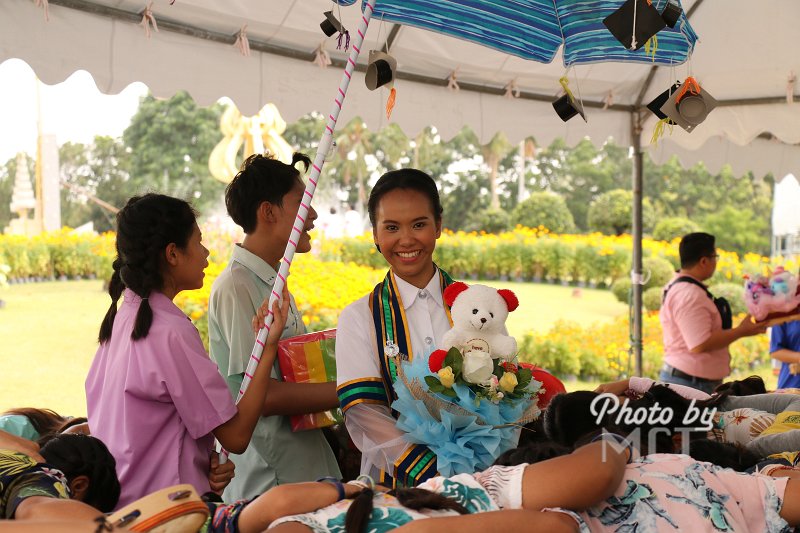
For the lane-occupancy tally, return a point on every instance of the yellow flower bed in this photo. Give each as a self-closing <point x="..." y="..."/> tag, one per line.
<point x="321" y="289"/>
<point x="537" y="254"/>
<point x="603" y="350"/>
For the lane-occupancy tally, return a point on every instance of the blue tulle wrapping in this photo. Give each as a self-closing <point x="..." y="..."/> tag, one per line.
<point x="460" y="443"/>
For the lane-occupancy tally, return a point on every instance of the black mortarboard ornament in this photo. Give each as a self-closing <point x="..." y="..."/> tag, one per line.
<point x="648" y="22"/>
<point x="567" y="106"/>
<point x="380" y="69"/>
<point x="331" y="24"/>
<point x="661" y="99"/>
<point x="671" y="14"/>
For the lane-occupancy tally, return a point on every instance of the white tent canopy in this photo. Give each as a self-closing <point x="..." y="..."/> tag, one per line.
<point x="745" y="57"/>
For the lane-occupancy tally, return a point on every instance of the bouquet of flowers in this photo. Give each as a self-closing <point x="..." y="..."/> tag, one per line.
<point x="488" y="378"/>
<point x="467" y="424"/>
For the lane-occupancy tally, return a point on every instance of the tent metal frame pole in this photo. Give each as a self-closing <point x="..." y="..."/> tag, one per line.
<point x="636" y="267"/>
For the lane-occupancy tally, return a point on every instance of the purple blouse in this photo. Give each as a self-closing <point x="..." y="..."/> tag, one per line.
<point x="155" y="401"/>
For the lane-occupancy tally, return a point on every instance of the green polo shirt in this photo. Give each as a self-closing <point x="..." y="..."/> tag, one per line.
<point x="276" y="455"/>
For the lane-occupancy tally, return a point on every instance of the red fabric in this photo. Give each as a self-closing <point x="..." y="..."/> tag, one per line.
<point x="551" y="384"/>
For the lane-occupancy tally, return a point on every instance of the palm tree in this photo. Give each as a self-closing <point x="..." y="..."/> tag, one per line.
<point x="494" y="152"/>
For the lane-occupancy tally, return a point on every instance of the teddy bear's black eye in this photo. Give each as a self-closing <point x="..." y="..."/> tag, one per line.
<point x="474" y="311"/>
<point x="491" y="315"/>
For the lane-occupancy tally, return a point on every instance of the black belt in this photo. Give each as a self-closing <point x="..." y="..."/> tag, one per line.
<point x="672" y="371"/>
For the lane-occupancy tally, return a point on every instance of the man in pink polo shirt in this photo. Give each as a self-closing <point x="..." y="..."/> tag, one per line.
<point x="696" y="339"/>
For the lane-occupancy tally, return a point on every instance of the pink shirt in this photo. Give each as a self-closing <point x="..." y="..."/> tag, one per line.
<point x="688" y="317"/>
<point x="155" y="401"/>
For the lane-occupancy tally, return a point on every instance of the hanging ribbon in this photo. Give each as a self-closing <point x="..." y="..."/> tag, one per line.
<point x="346" y="36"/>
<point x="608" y="101"/>
<point x="321" y="57"/>
<point x="790" y="87"/>
<point x="452" y="82"/>
<point x="148" y="19"/>
<point x="651" y="46"/>
<point x="689" y="86"/>
<point x="512" y="91"/>
<point x="45" y="5"/>
<point x="390" y="103"/>
<point x="660" y="128"/>
<point x="242" y="43"/>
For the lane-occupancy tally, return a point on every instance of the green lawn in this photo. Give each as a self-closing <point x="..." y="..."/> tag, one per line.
<point x="49" y="334"/>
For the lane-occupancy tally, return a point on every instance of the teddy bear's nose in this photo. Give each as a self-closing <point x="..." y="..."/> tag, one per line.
<point x="483" y="320"/>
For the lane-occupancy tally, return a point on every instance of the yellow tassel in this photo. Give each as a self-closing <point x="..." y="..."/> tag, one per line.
<point x="390" y="103"/>
<point x="651" y="46"/>
<point x="658" y="131"/>
<point x="565" y="85"/>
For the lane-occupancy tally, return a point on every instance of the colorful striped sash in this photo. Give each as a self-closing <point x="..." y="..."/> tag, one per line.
<point x="391" y="327"/>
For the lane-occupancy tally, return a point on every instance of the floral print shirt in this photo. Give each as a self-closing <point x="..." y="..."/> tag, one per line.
<point x="666" y="492"/>
<point x="22" y="477"/>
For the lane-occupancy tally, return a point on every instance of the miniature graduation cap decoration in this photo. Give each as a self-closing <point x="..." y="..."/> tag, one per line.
<point x="331" y="24"/>
<point x="689" y="105"/>
<point x="671" y="14"/>
<point x="661" y="99"/>
<point x="634" y="23"/>
<point x="380" y="71"/>
<point x="567" y="106"/>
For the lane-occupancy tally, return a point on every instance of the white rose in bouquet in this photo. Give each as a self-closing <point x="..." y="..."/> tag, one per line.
<point x="477" y="367"/>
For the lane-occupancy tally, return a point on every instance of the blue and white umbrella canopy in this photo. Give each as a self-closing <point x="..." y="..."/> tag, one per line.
<point x="535" y="29"/>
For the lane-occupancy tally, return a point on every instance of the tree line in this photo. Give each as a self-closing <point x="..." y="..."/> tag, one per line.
<point x="580" y="189"/>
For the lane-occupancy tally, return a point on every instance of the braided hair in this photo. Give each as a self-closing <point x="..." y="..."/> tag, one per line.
<point x="360" y="511"/>
<point x="145" y="226"/>
<point x="83" y="455"/>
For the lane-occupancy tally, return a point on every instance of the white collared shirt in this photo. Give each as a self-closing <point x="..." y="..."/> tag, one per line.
<point x="371" y="426"/>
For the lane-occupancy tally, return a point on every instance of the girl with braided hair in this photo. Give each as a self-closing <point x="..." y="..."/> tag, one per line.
<point x="154" y="397"/>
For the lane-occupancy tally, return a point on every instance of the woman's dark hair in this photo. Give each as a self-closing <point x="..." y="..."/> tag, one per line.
<point x="531" y="453"/>
<point x="405" y="178"/>
<point x="743" y="387"/>
<point x="44" y="421"/>
<point x="724" y="454"/>
<point x="360" y="511"/>
<point x="568" y="417"/>
<point x="84" y="455"/>
<point x="145" y="226"/>
<point x="262" y="178"/>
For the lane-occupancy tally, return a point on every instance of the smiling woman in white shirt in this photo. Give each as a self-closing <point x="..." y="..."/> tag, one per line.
<point x="404" y="314"/>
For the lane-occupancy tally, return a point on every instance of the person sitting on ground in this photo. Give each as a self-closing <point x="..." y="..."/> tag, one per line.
<point x="74" y="478"/>
<point x="335" y="506"/>
<point x="608" y="489"/>
<point x="749" y="421"/>
<point x="36" y="424"/>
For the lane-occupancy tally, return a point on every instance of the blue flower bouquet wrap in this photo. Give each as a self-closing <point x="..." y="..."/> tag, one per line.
<point x="467" y="426"/>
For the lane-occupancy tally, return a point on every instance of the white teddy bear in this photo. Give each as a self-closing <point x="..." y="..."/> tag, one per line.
<point x="479" y="320"/>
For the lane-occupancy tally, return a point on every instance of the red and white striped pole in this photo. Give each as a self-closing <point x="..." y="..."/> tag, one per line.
<point x="308" y="195"/>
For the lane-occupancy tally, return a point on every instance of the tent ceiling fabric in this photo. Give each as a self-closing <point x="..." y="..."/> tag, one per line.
<point x="744" y="52"/>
